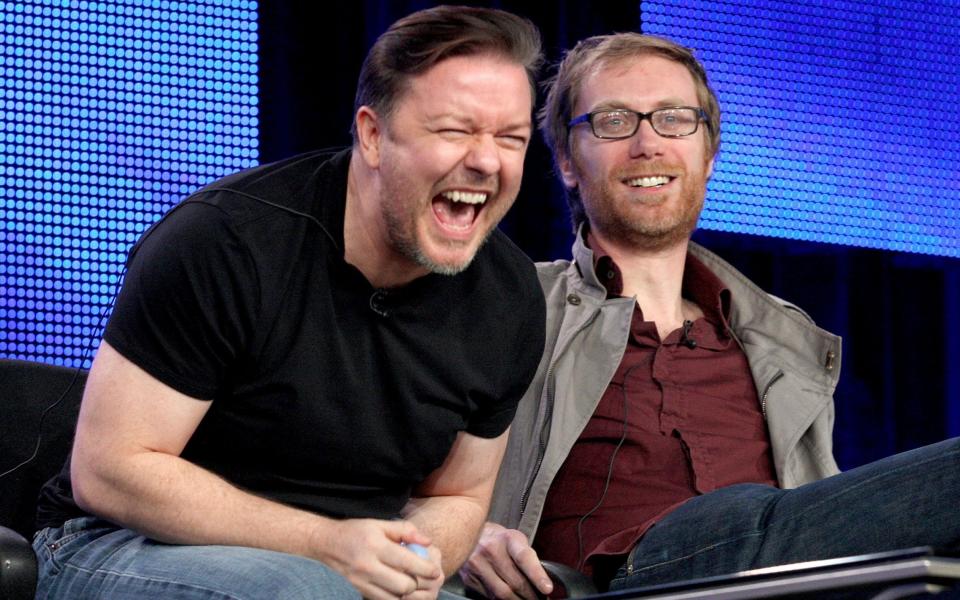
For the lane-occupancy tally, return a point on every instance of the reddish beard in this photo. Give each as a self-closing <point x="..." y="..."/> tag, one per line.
<point x="655" y="223"/>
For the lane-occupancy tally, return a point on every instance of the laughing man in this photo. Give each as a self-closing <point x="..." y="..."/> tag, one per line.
<point x="314" y="363"/>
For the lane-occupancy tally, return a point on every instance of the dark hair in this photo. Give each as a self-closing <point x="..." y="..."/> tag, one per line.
<point x="419" y="41"/>
<point x="594" y="53"/>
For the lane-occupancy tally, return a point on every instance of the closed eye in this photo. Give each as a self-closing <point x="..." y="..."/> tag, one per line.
<point x="517" y="142"/>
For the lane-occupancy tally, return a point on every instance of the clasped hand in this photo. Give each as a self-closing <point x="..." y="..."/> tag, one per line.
<point x="368" y="552"/>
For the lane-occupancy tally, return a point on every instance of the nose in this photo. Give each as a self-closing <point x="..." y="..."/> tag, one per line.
<point x="646" y="142"/>
<point x="483" y="155"/>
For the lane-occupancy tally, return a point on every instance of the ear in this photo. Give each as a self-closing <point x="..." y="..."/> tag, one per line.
<point x="709" y="168"/>
<point x="567" y="172"/>
<point x="369" y="135"/>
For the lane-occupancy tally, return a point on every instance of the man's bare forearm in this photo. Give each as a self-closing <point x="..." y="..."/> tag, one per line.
<point x="169" y="499"/>
<point x="172" y="500"/>
<point x="453" y="523"/>
<point x="451" y="505"/>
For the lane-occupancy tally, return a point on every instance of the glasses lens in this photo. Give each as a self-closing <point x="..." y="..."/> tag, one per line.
<point x="675" y="121"/>
<point x="614" y="123"/>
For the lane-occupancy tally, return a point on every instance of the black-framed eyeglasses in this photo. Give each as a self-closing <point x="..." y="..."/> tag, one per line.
<point x="620" y="123"/>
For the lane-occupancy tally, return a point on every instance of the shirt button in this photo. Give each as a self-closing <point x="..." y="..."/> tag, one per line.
<point x="573" y="299"/>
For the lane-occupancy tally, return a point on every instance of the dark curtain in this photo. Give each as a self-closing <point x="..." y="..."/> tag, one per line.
<point x="899" y="314"/>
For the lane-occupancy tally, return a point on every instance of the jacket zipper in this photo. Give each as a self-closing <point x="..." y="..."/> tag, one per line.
<point x="542" y="450"/>
<point x="766" y="392"/>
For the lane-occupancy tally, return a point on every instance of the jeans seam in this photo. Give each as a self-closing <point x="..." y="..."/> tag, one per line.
<point x="859" y="484"/>
<point x="110" y="574"/>
<point x="694" y="553"/>
<point x="760" y="531"/>
<point x="51" y="548"/>
<point x="843" y="492"/>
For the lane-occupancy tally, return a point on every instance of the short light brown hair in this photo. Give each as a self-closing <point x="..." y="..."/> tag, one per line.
<point x="419" y="41"/>
<point x="593" y="53"/>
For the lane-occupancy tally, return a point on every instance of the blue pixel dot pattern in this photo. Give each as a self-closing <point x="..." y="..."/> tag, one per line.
<point x="840" y="120"/>
<point x="110" y="113"/>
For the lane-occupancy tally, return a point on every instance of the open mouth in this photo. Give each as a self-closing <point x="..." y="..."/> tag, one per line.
<point x="457" y="210"/>
<point x="651" y="181"/>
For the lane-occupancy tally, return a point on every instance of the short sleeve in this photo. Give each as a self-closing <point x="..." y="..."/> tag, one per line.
<point x="188" y="302"/>
<point x="519" y="361"/>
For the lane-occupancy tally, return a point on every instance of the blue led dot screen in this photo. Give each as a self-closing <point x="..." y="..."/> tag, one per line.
<point x="839" y="126"/>
<point x="110" y="113"/>
<point x="840" y="120"/>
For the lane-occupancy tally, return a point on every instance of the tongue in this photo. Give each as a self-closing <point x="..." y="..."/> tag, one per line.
<point x="456" y="215"/>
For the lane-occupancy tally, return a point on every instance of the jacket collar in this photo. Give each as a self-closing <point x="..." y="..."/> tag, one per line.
<point x="583" y="258"/>
<point x="754" y="314"/>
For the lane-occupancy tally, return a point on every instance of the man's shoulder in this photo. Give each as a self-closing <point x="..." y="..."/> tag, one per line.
<point x="294" y="168"/>
<point x="742" y="286"/>
<point x="502" y="276"/>
<point x="765" y="321"/>
<point x="291" y="184"/>
<point x="502" y="259"/>
<point x="262" y="212"/>
<point x="553" y="269"/>
<point x="553" y="274"/>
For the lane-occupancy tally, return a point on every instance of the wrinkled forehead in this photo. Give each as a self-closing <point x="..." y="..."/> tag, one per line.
<point x="480" y="90"/>
<point x="491" y="56"/>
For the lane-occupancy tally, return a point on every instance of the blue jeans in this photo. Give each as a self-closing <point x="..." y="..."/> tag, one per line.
<point x="90" y="558"/>
<point x="910" y="499"/>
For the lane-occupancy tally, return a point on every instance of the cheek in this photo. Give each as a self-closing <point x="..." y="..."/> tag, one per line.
<point x="427" y="161"/>
<point x="442" y="152"/>
<point x="511" y="168"/>
<point x="586" y="170"/>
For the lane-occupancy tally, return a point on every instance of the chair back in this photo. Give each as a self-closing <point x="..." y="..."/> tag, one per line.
<point x="27" y="389"/>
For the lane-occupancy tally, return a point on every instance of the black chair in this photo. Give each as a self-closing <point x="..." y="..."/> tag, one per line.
<point x="567" y="583"/>
<point x="27" y="390"/>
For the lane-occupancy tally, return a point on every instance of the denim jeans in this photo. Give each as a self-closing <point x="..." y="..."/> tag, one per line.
<point x="90" y="558"/>
<point x="910" y="499"/>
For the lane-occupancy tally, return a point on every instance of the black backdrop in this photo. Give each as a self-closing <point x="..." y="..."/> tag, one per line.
<point x="899" y="314"/>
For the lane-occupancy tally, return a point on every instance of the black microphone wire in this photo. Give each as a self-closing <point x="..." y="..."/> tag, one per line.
<point x="88" y="351"/>
<point x="606" y="484"/>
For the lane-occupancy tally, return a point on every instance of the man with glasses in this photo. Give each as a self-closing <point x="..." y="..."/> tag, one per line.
<point x="680" y="422"/>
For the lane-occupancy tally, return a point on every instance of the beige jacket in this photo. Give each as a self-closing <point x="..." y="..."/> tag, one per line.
<point x="794" y="363"/>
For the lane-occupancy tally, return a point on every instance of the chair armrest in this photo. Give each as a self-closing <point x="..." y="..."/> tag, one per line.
<point x="567" y="583"/>
<point x="18" y="566"/>
<point x="454" y="585"/>
<point x="574" y="583"/>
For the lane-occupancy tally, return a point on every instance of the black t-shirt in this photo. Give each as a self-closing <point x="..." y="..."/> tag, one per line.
<point x="327" y="394"/>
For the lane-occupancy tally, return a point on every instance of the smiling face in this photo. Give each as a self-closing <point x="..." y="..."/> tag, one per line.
<point x="645" y="191"/>
<point x="449" y="159"/>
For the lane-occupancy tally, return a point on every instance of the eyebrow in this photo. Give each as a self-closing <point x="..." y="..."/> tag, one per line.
<point x="526" y="125"/>
<point x="617" y="104"/>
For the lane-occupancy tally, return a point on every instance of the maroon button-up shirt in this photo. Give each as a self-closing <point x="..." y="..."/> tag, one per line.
<point x="678" y="419"/>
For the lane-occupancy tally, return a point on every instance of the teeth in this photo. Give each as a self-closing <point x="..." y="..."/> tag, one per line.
<point x="467" y="197"/>
<point x="648" y="181"/>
